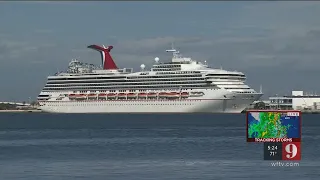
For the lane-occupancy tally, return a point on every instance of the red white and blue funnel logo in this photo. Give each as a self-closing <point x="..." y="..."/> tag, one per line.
<point x="107" y="61"/>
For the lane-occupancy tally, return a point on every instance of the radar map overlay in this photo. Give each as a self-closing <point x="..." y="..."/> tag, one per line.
<point x="273" y="126"/>
<point x="280" y="131"/>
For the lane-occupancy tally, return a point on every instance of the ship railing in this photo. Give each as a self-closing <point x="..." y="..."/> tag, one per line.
<point x="126" y="70"/>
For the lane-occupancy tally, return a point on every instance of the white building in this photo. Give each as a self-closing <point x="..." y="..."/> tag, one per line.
<point x="297" y="101"/>
<point x="16" y="103"/>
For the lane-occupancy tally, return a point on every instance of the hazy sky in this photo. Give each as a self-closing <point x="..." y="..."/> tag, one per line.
<point x="276" y="44"/>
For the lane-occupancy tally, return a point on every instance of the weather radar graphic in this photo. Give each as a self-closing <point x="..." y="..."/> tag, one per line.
<point x="273" y="126"/>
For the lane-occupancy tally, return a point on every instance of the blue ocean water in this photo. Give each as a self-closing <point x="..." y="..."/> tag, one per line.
<point x="159" y="146"/>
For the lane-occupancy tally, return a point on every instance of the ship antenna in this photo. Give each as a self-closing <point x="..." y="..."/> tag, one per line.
<point x="174" y="52"/>
<point x="261" y="88"/>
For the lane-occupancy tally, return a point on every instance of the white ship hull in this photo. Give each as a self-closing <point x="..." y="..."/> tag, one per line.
<point x="180" y="86"/>
<point x="220" y="101"/>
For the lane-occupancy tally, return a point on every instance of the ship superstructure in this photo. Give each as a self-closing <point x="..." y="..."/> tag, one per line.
<point x="181" y="85"/>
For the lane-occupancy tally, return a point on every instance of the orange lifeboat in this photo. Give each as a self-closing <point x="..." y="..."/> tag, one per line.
<point x="72" y="96"/>
<point x="92" y="96"/>
<point x="173" y="95"/>
<point x="142" y="94"/>
<point x="80" y="96"/>
<point x="162" y="95"/>
<point x="152" y="94"/>
<point x="184" y="94"/>
<point x="122" y="95"/>
<point x="102" y="96"/>
<point x="131" y="95"/>
<point x="111" y="95"/>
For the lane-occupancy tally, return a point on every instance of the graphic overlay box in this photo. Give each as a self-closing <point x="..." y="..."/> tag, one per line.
<point x="291" y="151"/>
<point x="274" y="126"/>
<point x="272" y="151"/>
<point x="287" y="151"/>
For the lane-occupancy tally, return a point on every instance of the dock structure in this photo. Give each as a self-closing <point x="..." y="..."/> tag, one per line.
<point x="298" y="100"/>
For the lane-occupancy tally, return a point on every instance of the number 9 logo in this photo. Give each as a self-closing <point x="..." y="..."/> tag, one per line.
<point x="291" y="151"/>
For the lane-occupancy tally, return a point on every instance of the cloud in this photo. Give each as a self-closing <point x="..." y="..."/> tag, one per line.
<point x="278" y="34"/>
<point x="12" y="49"/>
<point x="43" y="31"/>
<point x="155" y="44"/>
<point x="46" y="2"/>
<point x="143" y="50"/>
<point x="238" y="39"/>
<point x="262" y="34"/>
<point x="230" y="51"/>
<point x="3" y="35"/>
<point x="279" y="15"/>
<point x="272" y="42"/>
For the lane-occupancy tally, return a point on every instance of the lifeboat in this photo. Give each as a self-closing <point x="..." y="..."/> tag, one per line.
<point x="92" y="96"/>
<point x="152" y="95"/>
<point x="184" y="94"/>
<point x="72" y="96"/>
<point x="102" y="96"/>
<point x="122" y="96"/>
<point x="131" y="95"/>
<point x="81" y="96"/>
<point x="142" y="94"/>
<point x="162" y="95"/>
<point x="173" y="95"/>
<point x="111" y="95"/>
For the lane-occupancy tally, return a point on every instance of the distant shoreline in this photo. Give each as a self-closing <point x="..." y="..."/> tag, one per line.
<point x="37" y="111"/>
<point x="302" y="111"/>
<point x="17" y="110"/>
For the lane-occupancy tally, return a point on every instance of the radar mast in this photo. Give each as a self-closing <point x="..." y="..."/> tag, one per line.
<point x="175" y="53"/>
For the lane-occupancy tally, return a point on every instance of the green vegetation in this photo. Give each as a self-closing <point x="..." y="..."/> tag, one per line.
<point x="34" y="103"/>
<point x="260" y="105"/>
<point x="269" y="126"/>
<point x="7" y="106"/>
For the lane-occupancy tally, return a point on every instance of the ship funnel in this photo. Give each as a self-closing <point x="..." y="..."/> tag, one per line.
<point x="107" y="61"/>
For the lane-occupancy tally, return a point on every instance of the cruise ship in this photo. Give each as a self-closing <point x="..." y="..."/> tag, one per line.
<point x="182" y="85"/>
